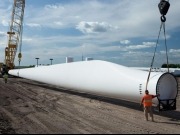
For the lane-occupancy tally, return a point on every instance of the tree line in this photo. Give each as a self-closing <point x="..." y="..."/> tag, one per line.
<point x="170" y="66"/>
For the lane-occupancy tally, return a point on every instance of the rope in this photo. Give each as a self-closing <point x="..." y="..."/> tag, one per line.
<point x="166" y="46"/>
<point x="154" y="55"/>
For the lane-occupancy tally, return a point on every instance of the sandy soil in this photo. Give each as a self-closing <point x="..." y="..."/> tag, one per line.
<point x="28" y="107"/>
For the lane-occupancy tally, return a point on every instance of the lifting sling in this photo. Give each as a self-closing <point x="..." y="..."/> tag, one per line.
<point x="163" y="8"/>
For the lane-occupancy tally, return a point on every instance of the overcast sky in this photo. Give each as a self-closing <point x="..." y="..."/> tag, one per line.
<point x="118" y="31"/>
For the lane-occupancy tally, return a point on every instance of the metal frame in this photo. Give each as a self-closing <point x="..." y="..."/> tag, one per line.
<point x="15" y="32"/>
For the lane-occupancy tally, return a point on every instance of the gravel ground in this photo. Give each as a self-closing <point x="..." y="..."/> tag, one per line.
<point x="29" y="107"/>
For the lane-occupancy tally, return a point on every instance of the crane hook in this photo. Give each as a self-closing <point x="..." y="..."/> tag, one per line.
<point x="163" y="18"/>
<point x="19" y="56"/>
<point x="163" y="7"/>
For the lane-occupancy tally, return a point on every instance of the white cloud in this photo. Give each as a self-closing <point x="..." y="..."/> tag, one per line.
<point x="53" y="7"/>
<point x="125" y="42"/>
<point x="93" y="27"/>
<point x="33" y="25"/>
<point x="131" y="18"/>
<point x="4" y="23"/>
<point x="2" y="34"/>
<point x="150" y="44"/>
<point x="144" y="45"/>
<point x="174" y="50"/>
<point x="134" y="47"/>
<point x="58" y="23"/>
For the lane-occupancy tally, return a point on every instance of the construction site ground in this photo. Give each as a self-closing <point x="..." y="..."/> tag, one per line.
<point x="29" y="107"/>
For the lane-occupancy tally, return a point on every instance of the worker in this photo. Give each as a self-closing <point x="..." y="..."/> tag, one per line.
<point x="5" y="76"/>
<point x="147" y="102"/>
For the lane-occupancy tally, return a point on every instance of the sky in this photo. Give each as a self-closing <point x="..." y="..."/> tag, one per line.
<point x="119" y="31"/>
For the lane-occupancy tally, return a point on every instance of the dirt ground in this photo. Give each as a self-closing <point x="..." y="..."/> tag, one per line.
<point x="29" y="107"/>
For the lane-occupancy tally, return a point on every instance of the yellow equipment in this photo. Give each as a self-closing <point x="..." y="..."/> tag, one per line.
<point x="15" y="34"/>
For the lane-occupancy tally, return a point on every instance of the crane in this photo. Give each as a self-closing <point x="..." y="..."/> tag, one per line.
<point x="15" y="34"/>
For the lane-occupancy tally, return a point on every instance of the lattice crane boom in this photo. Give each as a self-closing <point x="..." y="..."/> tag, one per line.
<point x="15" y="33"/>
